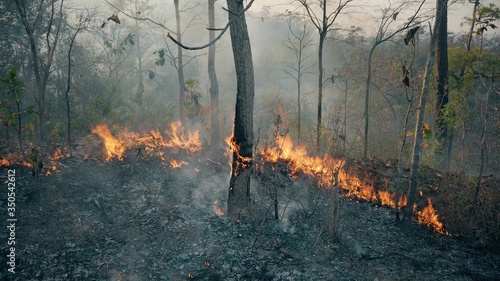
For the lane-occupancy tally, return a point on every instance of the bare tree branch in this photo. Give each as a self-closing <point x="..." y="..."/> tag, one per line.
<point x="223" y="30"/>
<point x="138" y="18"/>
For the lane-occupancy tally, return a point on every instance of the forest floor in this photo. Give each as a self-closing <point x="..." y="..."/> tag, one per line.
<point x="136" y="220"/>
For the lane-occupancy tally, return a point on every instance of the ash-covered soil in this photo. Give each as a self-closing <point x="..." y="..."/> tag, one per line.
<point x="135" y="220"/>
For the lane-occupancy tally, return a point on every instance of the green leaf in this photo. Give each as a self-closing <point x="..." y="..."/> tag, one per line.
<point x="427" y="132"/>
<point x="151" y="74"/>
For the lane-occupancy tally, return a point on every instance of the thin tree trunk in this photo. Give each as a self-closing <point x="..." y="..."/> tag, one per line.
<point x="140" y="88"/>
<point x="66" y="94"/>
<point x="320" y="90"/>
<point x="242" y="140"/>
<point x="367" y="101"/>
<point x="482" y="146"/>
<point x="214" y="83"/>
<point x="19" y="127"/>
<point x="471" y="31"/>
<point x="417" y="143"/>
<point x="41" y="81"/>
<point x="299" y="106"/>
<point x="399" y="169"/>
<point x="180" y="66"/>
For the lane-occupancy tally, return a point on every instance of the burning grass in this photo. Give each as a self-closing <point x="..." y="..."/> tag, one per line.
<point x="156" y="144"/>
<point x="329" y="171"/>
<point x="359" y="181"/>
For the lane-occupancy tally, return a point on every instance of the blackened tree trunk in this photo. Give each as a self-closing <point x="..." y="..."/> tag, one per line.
<point x="180" y="66"/>
<point x="242" y="140"/>
<point x="417" y="143"/>
<point x="322" y="37"/>
<point x="442" y="87"/>
<point x="367" y="101"/>
<point x="82" y="24"/>
<point x="212" y="75"/>
<point x="68" y="87"/>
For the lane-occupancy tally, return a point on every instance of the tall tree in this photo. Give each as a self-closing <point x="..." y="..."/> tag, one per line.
<point x="242" y="139"/>
<point x="41" y="66"/>
<point x="323" y="24"/>
<point x="180" y="65"/>
<point x="442" y="87"/>
<point x="83" y="21"/>
<point x="212" y="75"/>
<point x="389" y="16"/>
<point x="297" y="41"/>
<point x="140" y="86"/>
<point x="419" y="124"/>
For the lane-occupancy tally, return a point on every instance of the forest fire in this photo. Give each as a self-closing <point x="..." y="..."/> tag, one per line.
<point x="191" y="142"/>
<point x="326" y="169"/>
<point x="430" y="218"/>
<point x="241" y="161"/>
<point x="114" y="147"/>
<point x="177" y="164"/>
<point x="58" y="154"/>
<point x="12" y="158"/>
<point x="329" y="171"/>
<point x="152" y="144"/>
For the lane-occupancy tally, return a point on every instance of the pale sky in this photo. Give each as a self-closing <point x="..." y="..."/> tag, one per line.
<point x="456" y="12"/>
<point x="367" y="10"/>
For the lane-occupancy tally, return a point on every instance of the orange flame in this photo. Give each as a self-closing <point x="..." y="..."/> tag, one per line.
<point x="326" y="169"/>
<point x="152" y="143"/>
<point x="12" y="158"/>
<point x="114" y="147"/>
<point x="218" y="210"/>
<point x="51" y="170"/>
<point x="58" y="154"/>
<point x="430" y="218"/>
<point x="191" y="142"/>
<point x="242" y="162"/>
<point x="177" y="164"/>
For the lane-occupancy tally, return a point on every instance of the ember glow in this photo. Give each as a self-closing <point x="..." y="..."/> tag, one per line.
<point x="58" y="154"/>
<point x="218" y="210"/>
<point x="12" y="158"/>
<point x="177" y="164"/>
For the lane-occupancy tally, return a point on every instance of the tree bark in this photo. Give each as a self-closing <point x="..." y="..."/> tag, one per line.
<point x="367" y="101"/>
<point x="442" y="86"/>
<point x="320" y="89"/>
<point x="242" y="139"/>
<point x="41" y="78"/>
<point x="140" y="87"/>
<point x="68" y="87"/>
<point x="214" y="83"/>
<point x="180" y="66"/>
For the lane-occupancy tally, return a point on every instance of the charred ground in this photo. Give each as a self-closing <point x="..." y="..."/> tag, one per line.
<point x="138" y="220"/>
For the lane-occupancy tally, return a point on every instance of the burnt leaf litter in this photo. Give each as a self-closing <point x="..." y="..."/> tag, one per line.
<point x="137" y="220"/>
